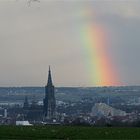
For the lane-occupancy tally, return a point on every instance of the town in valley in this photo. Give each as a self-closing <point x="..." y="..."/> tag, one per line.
<point x="97" y="106"/>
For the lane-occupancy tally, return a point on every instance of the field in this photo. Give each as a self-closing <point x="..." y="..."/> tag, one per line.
<point x="67" y="132"/>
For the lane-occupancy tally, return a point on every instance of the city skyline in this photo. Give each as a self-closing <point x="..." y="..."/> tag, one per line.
<point x="87" y="43"/>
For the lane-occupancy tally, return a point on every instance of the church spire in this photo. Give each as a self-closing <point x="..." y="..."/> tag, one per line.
<point x="49" y="102"/>
<point x="49" y="77"/>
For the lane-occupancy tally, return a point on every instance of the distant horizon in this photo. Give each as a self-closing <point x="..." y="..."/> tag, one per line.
<point x="68" y="86"/>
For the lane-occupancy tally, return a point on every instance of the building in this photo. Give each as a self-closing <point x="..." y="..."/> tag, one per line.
<point x="49" y="103"/>
<point x="26" y="103"/>
<point x="25" y="123"/>
<point x="102" y="109"/>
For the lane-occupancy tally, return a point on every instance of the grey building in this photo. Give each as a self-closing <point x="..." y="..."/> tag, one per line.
<point x="26" y="103"/>
<point x="49" y="102"/>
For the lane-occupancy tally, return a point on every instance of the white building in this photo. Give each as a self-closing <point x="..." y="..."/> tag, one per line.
<point x="25" y="123"/>
<point x="102" y="109"/>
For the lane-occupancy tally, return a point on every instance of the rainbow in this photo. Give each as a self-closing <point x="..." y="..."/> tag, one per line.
<point x="101" y="69"/>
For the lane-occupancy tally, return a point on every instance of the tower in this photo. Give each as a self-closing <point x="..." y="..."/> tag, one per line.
<point x="49" y="100"/>
<point x="5" y="113"/>
<point x="26" y="103"/>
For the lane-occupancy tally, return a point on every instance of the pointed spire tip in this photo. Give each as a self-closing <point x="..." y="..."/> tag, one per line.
<point x="49" y="77"/>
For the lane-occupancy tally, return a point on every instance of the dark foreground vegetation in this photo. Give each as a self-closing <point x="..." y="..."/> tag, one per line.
<point x="67" y="132"/>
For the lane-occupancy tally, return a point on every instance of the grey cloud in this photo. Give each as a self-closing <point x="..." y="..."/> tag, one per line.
<point x="33" y="37"/>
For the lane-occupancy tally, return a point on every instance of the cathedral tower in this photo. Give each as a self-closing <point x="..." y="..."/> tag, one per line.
<point x="49" y="100"/>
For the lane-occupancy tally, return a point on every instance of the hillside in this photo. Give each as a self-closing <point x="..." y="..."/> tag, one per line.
<point x="67" y="132"/>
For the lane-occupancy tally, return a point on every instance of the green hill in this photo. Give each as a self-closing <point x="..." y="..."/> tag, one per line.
<point x="67" y="132"/>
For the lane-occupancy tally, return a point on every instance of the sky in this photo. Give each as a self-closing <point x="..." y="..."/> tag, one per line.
<point x="51" y="32"/>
